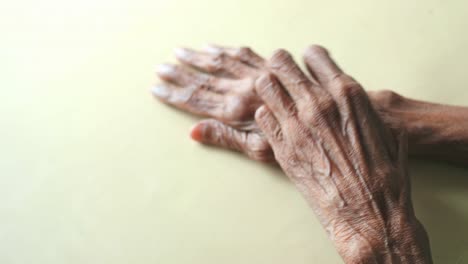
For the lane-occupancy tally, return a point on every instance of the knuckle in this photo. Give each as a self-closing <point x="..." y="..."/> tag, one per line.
<point x="259" y="149"/>
<point x="189" y="95"/>
<point x="258" y="143"/>
<point x="326" y="104"/>
<point x="205" y="82"/>
<point x="277" y="134"/>
<point x="192" y="99"/>
<point x="299" y="139"/>
<point x="314" y="111"/>
<point x="280" y="56"/>
<point x="306" y="115"/>
<point x="290" y="109"/>
<point x="209" y="80"/>
<point x="235" y="108"/>
<point x="217" y="62"/>
<point x="294" y="129"/>
<point x="292" y="160"/>
<point x="347" y="88"/>
<point x="239" y="108"/>
<point x="313" y="116"/>
<point x="243" y="53"/>
<point x="201" y="86"/>
<point x="179" y="72"/>
<point x="264" y="81"/>
<point x="386" y="98"/>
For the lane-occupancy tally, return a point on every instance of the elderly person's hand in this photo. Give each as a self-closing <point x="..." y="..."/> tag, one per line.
<point x="219" y="83"/>
<point x="348" y="164"/>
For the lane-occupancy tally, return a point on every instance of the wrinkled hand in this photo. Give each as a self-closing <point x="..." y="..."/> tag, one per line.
<point x="219" y="83"/>
<point x="350" y="167"/>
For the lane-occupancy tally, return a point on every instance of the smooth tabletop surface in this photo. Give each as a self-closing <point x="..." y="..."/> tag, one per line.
<point x="94" y="170"/>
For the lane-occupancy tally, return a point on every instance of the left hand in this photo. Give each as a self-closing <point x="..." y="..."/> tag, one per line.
<point x="218" y="82"/>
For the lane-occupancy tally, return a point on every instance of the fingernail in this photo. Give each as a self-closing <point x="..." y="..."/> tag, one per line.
<point x="165" y="69"/>
<point x="182" y="53"/>
<point x="196" y="132"/>
<point x="160" y="91"/>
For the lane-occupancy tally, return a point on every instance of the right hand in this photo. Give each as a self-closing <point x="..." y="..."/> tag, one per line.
<point x="350" y="167"/>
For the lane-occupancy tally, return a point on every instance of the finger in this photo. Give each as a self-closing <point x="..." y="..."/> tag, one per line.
<point x="181" y="76"/>
<point x="275" y="97"/>
<point x="215" y="133"/>
<point x="346" y="92"/>
<point x="290" y="75"/>
<point x="220" y="63"/>
<point x="269" y="126"/>
<point x="244" y="54"/>
<point x="191" y="99"/>
<point x="320" y="65"/>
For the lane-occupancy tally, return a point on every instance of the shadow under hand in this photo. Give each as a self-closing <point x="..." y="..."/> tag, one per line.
<point x="440" y="196"/>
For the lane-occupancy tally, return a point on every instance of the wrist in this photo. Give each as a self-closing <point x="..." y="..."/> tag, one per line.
<point x="403" y="240"/>
<point x="434" y="130"/>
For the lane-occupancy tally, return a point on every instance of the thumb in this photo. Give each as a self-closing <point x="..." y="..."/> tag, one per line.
<point x="215" y="133"/>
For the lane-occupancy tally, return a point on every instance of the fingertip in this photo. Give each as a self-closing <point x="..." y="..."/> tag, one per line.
<point x="165" y="71"/>
<point x="164" y="68"/>
<point x="160" y="91"/>
<point x="182" y="53"/>
<point x="213" y="49"/>
<point x="196" y="132"/>
<point x="315" y="49"/>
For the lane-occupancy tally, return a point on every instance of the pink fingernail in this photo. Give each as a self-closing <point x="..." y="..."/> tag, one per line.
<point x="196" y="132"/>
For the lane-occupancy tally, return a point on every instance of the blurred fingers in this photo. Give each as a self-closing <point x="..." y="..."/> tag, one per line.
<point x="192" y="99"/>
<point x="180" y="75"/>
<point x="219" y="63"/>
<point x="244" y="54"/>
<point x="184" y="77"/>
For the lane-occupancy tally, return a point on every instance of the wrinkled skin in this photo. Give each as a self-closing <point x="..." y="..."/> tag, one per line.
<point x="350" y="167"/>
<point x="219" y="83"/>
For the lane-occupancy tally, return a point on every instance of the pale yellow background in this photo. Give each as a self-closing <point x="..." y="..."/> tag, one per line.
<point x="93" y="170"/>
